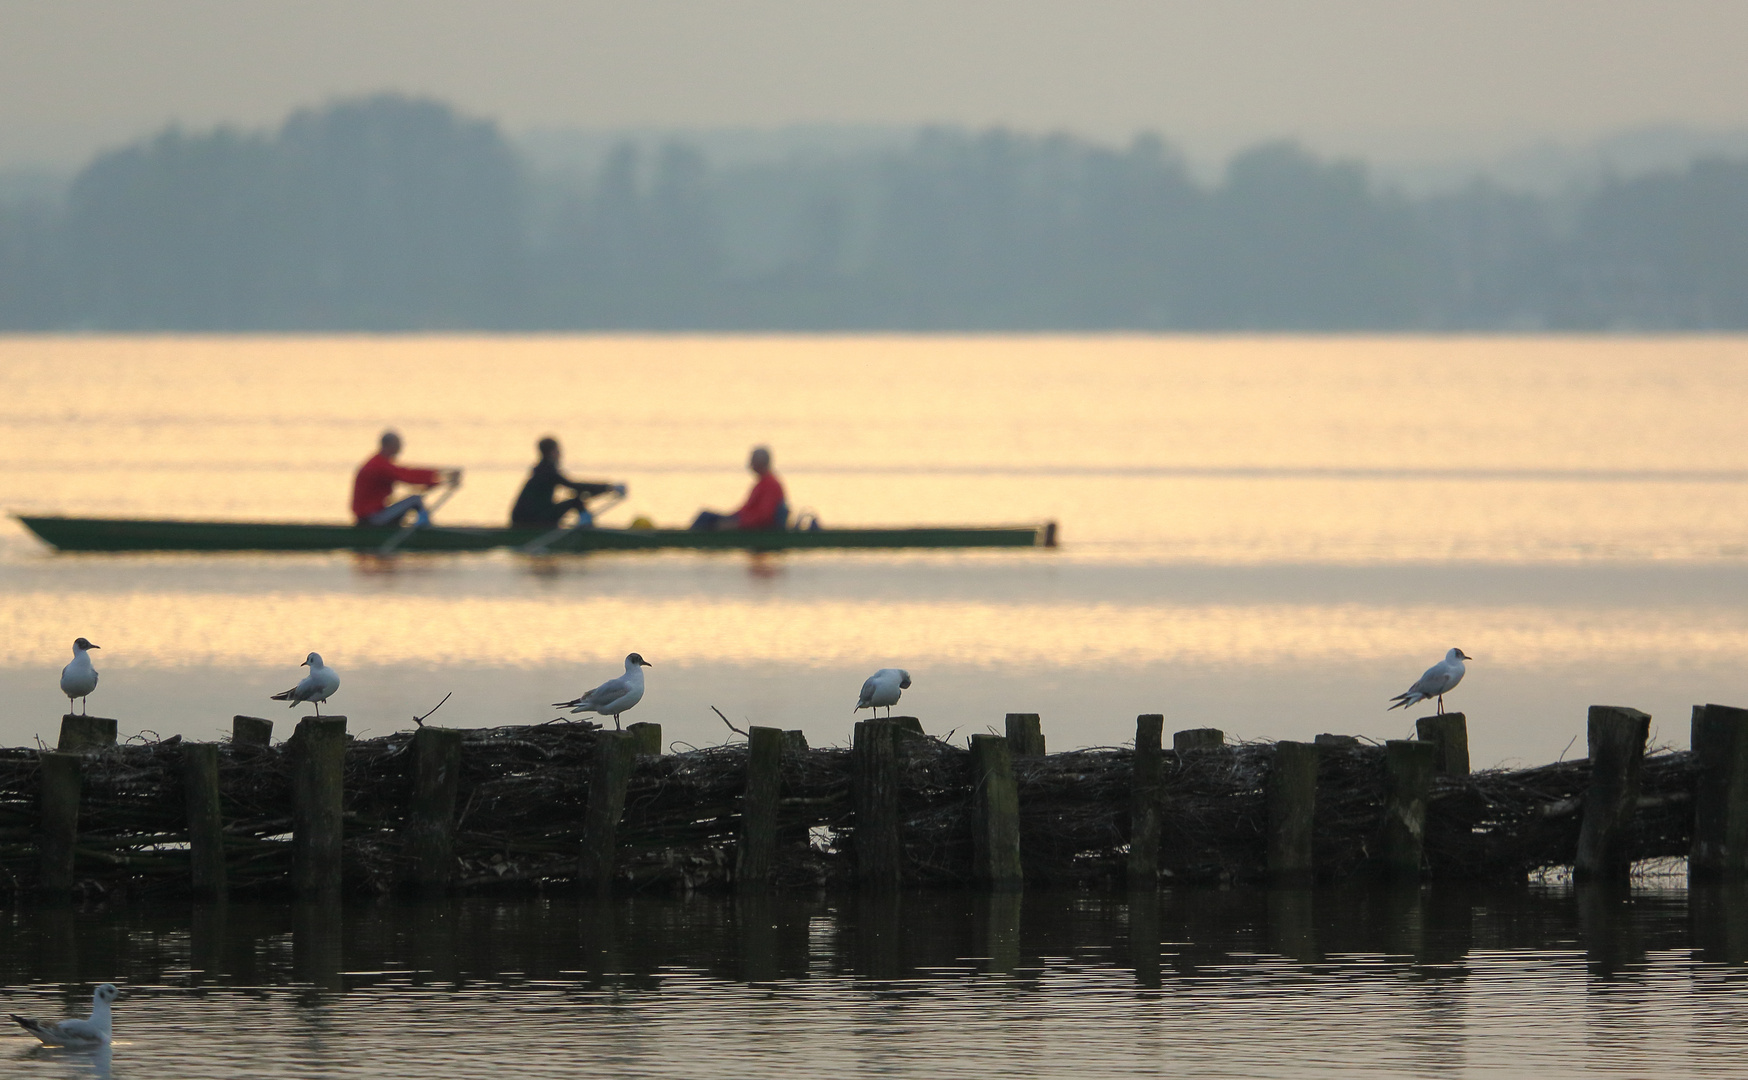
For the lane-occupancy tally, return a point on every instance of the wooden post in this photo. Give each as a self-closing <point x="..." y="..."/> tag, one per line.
<point x="1337" y="742"/>
<point x="756" y="856"/>
<point x="615" y="755"/>
<point x="251" y="731"/>
<point x="1291" y="795"/>
<point x="1025" y="734"/>
<point x="318" y="796"/>
<point x="1144" y="793"/>
<point x="1450" y="733"/>
<point x="61" y="780"/>
<point x="430" y="826"/>
<point x="1202" y="738"/>
<point x="206" y="826"/>
<point x="995" y="814"/>
<point x="648" y="737"/>
<point x="1408" y="770"/>
<point x="1617" y="751"/>
<point x="1720" y="797"/>
<point x="874" y="789"/>
<point x="908" y="724"/>
<point x="795" y="742"/>
<point x="80" y="733"/>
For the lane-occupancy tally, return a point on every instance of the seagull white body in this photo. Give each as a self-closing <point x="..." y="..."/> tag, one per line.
<point x="883" y="688"/>
<point x="315" y="688"/>
<point x="79" y="678"/>
<point x="1439" y="680"/>
<point x="75" y="1034"/>
<point x="615" y="695"/>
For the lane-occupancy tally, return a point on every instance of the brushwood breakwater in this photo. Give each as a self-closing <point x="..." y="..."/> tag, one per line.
<point x="571" y="806"/>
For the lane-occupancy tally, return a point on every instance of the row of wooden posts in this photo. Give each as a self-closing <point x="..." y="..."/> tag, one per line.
<point x="1616" y="736"/>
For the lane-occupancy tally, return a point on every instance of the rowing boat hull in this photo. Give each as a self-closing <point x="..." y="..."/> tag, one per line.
<point x="135" y="534"/>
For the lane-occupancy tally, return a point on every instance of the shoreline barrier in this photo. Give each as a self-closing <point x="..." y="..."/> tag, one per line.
<point x="569" y="806"/>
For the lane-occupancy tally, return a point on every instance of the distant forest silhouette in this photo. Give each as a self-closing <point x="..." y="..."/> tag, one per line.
<point x="389" y="213"/>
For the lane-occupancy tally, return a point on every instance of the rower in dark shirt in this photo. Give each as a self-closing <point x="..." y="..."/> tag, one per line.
<point x="535" y="506"/>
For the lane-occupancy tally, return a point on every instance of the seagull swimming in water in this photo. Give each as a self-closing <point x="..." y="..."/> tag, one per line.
<point x="75" y="1034"/>
<point x="316" y="687"/>
<point x="79" y="678"/>
<point x="613" y="696"/>
<point x="1439" y="680"/>
<point x="883" y="688"/>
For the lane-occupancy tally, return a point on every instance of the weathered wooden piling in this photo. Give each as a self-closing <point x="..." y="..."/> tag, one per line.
<point x="81" y="733"/>
<point x="1408" y="771"/>
<point x="1719" y="851"/>
<point x="206" y="826"/>
<point x="1144" y="796"/>
<point x="615" y="754"/>
<point x="251" y="731"/>
<point x="904" y="724"/>
<point x="430" y="825"/>
<point x="1337" y="742"/>
<point x="874" y="792"/>
<point x="795" y="742"/>
<point x="995" y="814"/>
<point x="756" y="856"/>
<point x="1450" y="733"/>
<point x="318" y="797"/>
<point x="1291" y="796"/>
<point x="1025" y="734"/>
<point x="1617" y="754"/>
<point x="1202" y="738"/>
<point x="648" y="738"/>
<point x="61" y="781"/>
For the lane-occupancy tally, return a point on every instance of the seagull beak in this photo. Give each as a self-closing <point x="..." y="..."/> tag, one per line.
<point x="94" y="646"/>
<point x="306" y="663"/>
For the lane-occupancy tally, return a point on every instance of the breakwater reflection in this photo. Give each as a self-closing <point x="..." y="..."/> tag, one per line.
<point x="1368" y="981"/>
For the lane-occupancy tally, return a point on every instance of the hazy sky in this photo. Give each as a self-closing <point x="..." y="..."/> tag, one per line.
<point x="1392" y="78"/>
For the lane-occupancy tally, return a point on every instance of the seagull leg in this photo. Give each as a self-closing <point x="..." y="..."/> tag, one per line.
<point x="616" y="726"/>
<point x="1441" y="704"/>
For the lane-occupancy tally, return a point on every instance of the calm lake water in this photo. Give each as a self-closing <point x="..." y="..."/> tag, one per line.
<point x="1431" y="982"/>
<point x="1271" y="536"/>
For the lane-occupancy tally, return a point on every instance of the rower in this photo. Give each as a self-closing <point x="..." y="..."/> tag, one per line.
<point x="535" y="507"/>
<point x="765" y="507"/>
<point x="375" y="483"/>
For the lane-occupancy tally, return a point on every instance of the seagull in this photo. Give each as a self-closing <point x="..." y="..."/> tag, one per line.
<point x="75" y="1034"/>
<point x="79" y="678"/>
<point x="883" y="688"/>
<point x="316" y="687"/>
<point x="615" y="695"/>
<point x="1439" y="680"/>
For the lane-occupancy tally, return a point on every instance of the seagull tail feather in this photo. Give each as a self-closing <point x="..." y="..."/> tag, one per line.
<point x="32" y="1026"/>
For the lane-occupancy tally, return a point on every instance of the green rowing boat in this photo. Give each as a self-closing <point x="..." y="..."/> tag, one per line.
<point x="140" y="534"/>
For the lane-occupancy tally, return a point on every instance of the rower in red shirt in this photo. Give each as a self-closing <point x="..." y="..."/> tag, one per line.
<point x="375" y="484"/>
<point x="765" y="507"/>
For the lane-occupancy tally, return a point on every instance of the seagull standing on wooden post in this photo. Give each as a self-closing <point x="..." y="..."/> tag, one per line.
<point x="1439" y="680"/>
<point x="79" y="678"/>
<point x="883" y="688"/>
<point x="613" y="696"/>
<point x="315" y="688"/>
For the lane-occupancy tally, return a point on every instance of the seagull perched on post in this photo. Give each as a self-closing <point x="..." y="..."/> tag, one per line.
<point x="75" y="1034"/>
<point x="1439" y="680"/>
<point x="316" y="687"/>
<point x="613" y="696"/>
<point x="883" y="688"/>
<point x="79" y="678"/>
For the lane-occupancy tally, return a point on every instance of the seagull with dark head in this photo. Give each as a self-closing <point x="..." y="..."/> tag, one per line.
<point x="1439" y="680"/>
<point x="613" y="696"/>
<point x="79" y="678"/>
<point x="883" y="688"/>
<point x="315" y="688"/>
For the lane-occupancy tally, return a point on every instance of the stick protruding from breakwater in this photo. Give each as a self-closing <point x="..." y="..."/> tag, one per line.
<point x="59" y="829"/>
<point x="1025" y="734"/>
<point x="995" y="814"/>
<point x="81" y="734"/>
<point x="430" y="825"/>
<point x="1719" y="850"/>
<point x="756" y="855"/>
<point x="615" y="757"/>
<point x="874" y="792"/>
<point x="1450" y="733"/>
<point x="251" y="731"/>
<point x="206" y="825"/>
<point x="1291" y="795"/>
<point x="1144" y="799"/>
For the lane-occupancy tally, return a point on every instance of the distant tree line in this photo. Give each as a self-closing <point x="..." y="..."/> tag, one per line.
<point x="390" y="213"/>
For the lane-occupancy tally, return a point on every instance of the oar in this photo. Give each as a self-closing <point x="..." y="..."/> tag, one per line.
<point x="539" y="544"/>
<point x="388" y="546"/>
